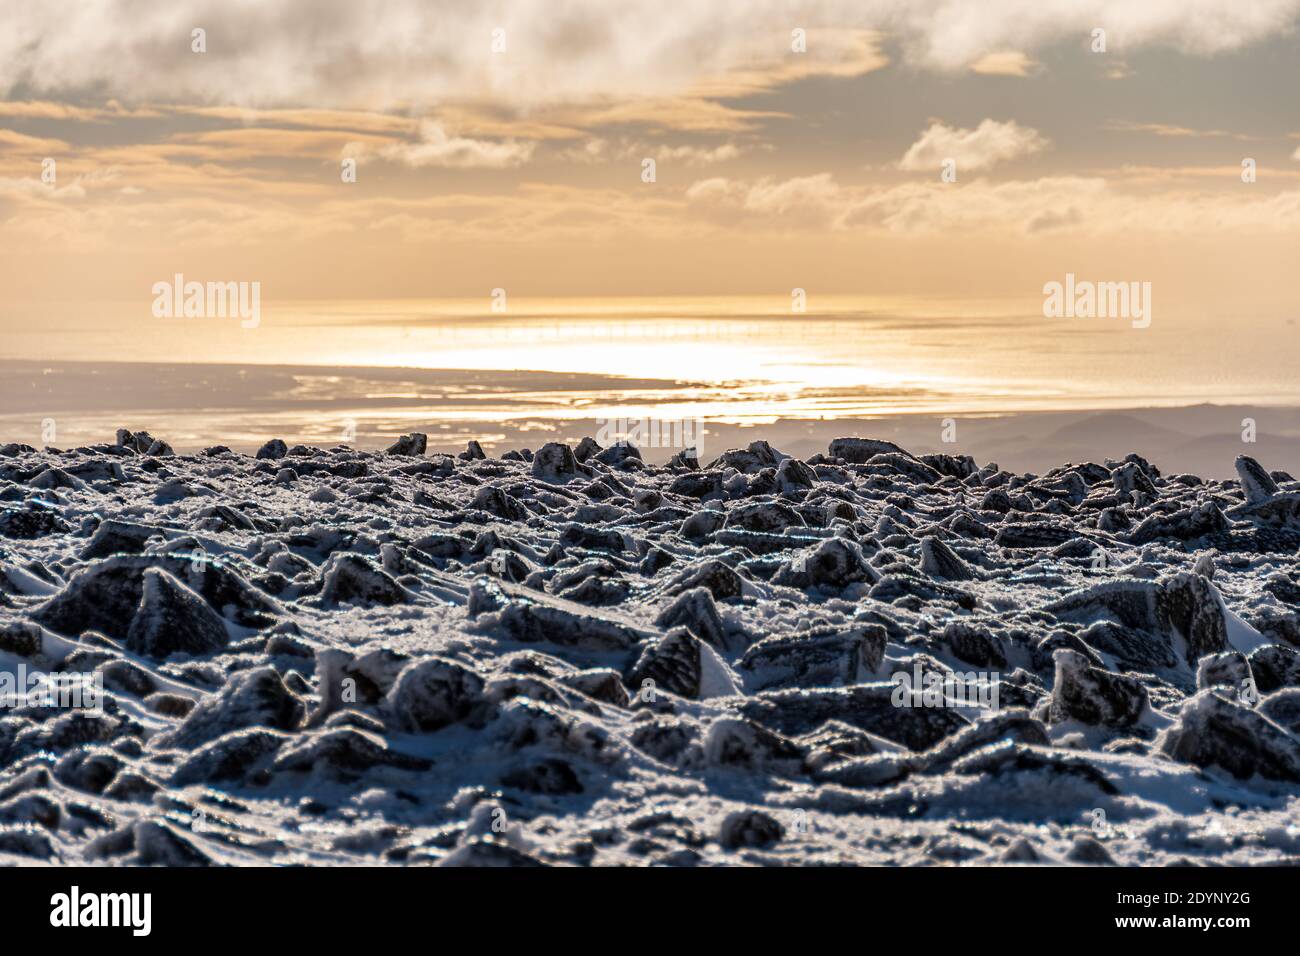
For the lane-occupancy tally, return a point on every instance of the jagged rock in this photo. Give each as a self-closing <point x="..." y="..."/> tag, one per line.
<point x="602" y="683"/>
<point x="756" y="457"/>
<point x="735" y="742"/>
<point x="413" y="444"/>
<point x="1193" y="606"/>
<point x="722" y="581"/>
<point x="1091" y="695"/>
<point x="617" y="455"/>
<point x="940" y="561"/>
<point x="556" y="462"/>
<point x="1256" y="484"/>
<point x="676" y="663"/>
<point x="552" y="776"/>
<point x="974" y="645"/>
<point x="1131" y="602"/>
<point x="764" y="516"/>
<point x="1184" y="525"/>
<point x="1033" y="535"/>
<point x="173" y="619"/>
<point x="834" y="563"/>
<point x="30" y="524"/>
<point x="1212" y="731"/>
<point x="868" y="707"/>
<point x="858" y="451"/>
<point x="749" y="828"/>
<point x="695" y="610"/>
<point x="996" y="499"/>
<point x="342" y="752"/>
<point x="560" y="623"/>
<point x="273" y="449"/>
<point x="586" y="448"/>
<point x="232" y="756"/>
<point x="1274" y="667"/>
<point x="1130" y="648"/>
<point x="1283" y="708"/>
<point x="118" y="537"/>
<point x="495" y="501"/>
<point x="104" y="596"/>
<point x="252" y="698"/>
<point x="1229" y="669"/>
<point x="1089" y="850"/>
<point x="432" y="693"/>
<point x="1129" y="478"/>
<point x="794" y="475"/>
<point x="830" y="658"/>
<point x="353" y="578"/>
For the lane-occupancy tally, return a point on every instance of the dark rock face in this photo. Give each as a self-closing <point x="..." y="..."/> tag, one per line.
<point x="433" y="693"/>
<point x="171" y="618"/>
<point x="1212" y="731"/>
<point x="697" y="612"/>
<point x="750" y="828"/>
<point x="974" y="645"/>
<point x="671" y="663"/>
<point x="253" y="698"/>
<point x="1229" y="670"/>
<point x="1185" y="525"/>
<point x="869" y="707"/>
<point x="352" y="578"/>
<point x="940" y="561"/>
<point x="828" y="658"/>
<point x="859" y="451"/>
<point x="1274" y="666"/>
<point x="413" y="444"/>
<point x="835" y="563"/>
<point x="35" y="523"/>
<point x="1256" y="483"/>
<point x="1093" y="696"/>
<point x="273" y="450"/>
<point x="1194" y="607"/>
<point x="556" y="463"/>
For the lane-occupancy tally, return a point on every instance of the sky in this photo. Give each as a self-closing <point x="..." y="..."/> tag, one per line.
<point x="505" y="145"/>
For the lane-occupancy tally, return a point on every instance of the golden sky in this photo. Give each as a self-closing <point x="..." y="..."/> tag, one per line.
<point x="795" y="144"/>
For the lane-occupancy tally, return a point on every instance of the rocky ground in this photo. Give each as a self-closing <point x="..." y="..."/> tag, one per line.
<point x="571" y="657"/>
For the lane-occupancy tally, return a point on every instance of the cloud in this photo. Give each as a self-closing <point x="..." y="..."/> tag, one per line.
<point x="989" y="143"/>
<point x="1079" y="205"/>
<point x="599" y="150"/>
<point x="436" y="148"/>
<point x="334" y="54"/>
<point x="1006" y="63"/>
<point x="1169" y="130"/>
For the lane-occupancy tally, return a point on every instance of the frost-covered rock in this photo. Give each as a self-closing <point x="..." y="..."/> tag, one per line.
<point x="432" y="693"/>
<point x="1092" y="695"/>
<point x="171" y="618"/>
<point x="1212" y="731"/>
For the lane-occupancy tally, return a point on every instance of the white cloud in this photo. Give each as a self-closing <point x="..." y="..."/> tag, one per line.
<point x="598" y="150"/>
<point x="436" y="148"/>
<point x="986" y="145"/>
<point x="415" y="53"/>
<point x="1081" y="205"/>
